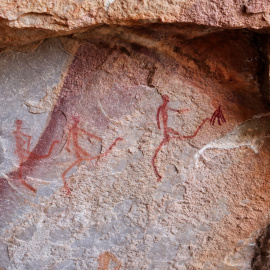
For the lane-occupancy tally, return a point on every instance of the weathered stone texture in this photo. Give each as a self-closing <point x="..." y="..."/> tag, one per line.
<point x="213" y="199"/>
<point x="23" y="22"/>
<point x="85" y="124"/>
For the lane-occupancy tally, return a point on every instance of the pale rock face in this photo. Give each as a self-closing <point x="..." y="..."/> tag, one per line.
<point x="134" y="147"/>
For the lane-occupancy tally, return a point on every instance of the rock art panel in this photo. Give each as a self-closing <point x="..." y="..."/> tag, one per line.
<point x="25" y="79"/>
<point x="153" y="154"/>
<point x="170" y="134"/>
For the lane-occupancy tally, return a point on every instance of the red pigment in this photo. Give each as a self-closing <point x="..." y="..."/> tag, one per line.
<point x="74" y="132"/>
<point x="80" y="153"/>
<point x="168" y="132"/>
<point x="23" y="142"/>
<point x="104" y="260"/>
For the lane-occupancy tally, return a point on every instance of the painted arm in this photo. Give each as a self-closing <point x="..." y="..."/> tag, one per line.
<point x="90" y="134"/>
<point x="28" y="138"/>
<point x="28" y="142"/>
<point x="179" y="111"/>
<point x="34" y="156"/>
<point x="216" y="115"/>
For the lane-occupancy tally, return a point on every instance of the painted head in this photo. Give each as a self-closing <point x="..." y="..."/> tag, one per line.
<point x="76" y="119"/>
<point x="18" y="123"/>
<point x="166" y="98"/>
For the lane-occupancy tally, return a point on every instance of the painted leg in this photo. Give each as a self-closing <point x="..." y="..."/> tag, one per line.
<point x="164" y="141"/>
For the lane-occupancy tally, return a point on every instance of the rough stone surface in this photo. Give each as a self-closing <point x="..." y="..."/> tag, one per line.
<point x="261" y="259"/>
<point x="22" y="22"/>
<point x="213" y="198"/>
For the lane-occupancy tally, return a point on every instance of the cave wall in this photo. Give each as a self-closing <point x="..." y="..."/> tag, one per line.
<point x="135" y="146"/>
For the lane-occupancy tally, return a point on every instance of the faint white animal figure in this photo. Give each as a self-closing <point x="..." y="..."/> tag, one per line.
<point x="251" y="133"/>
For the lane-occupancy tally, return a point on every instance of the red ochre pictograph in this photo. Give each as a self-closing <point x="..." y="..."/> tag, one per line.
<point x="104" y="261"/>
<point x="169" y="133"/>
<point x="80" y="153"/>
<point x="23" y="142"/>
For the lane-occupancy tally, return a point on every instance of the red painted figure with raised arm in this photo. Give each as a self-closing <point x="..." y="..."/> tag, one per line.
<point x="80" y="153"/>
<point x="73" y="134"/>
<point x="169" y="133"/>
<point x="23" y="142"/>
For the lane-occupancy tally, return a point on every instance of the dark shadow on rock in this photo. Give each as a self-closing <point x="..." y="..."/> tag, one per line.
<point x="261" y="260"/>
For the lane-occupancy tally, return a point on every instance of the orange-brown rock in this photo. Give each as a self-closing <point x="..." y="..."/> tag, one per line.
<point x="22" y="22"/>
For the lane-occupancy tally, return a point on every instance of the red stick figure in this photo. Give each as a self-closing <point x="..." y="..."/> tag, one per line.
<point x="104" y="261"/>
<point x="23" y="142"/>
<point x="168" y="132"/>
<point x="80" y="153"/>
<point x="74" y="133"/>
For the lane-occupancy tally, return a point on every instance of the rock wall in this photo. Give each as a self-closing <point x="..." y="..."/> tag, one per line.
<point x="22" y="22"/>
<point x="134" y="147"/>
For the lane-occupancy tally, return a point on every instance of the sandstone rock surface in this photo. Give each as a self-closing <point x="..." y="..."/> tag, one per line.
<point x="139" y="139"/>
<point x="23" y="22"/>
<point x="107" y="83"/>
